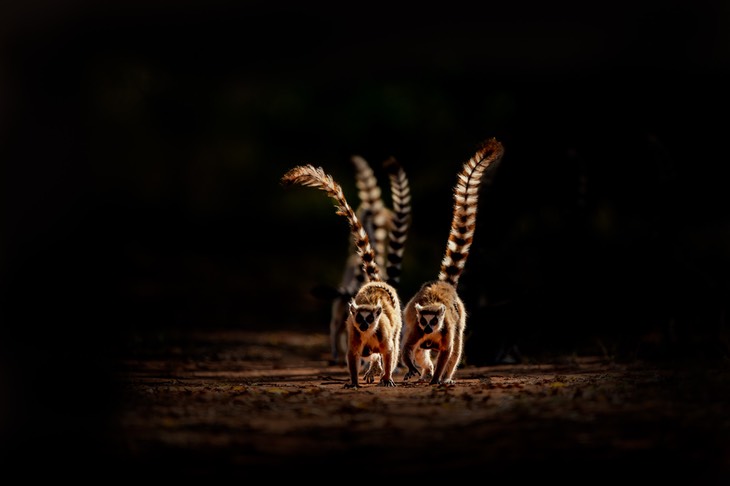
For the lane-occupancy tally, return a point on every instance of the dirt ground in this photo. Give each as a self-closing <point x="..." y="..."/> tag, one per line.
<point x="213" y="405"/>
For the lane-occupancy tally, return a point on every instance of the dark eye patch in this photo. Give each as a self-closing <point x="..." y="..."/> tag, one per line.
<point x="364" y="318"/>
<point x="432" y="321"/>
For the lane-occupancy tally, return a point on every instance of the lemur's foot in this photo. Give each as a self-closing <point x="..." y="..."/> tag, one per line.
<point x="441" y="382"/>
<point x="427" y="377"/>
<point x="374" y="370"/>
<point x="388" y="382"/>
<point x="410" y="374"/>
<point x="352" y="385"/>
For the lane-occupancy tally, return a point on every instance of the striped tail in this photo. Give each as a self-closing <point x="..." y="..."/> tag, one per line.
<point x="309" y="176"/>
<point x="466" y="194"/>
<point x="371" y="210"/>
<point x="401" y="196"/>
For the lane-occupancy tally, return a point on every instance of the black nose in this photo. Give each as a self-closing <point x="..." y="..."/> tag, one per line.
<point x="364" y="327"/>
<point x="427" y="330"/>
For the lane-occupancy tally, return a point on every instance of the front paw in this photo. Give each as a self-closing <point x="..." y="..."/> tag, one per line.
<point x="352" y="385"/>
<point x="388" y="382"/>
<point x="410" y="374"/>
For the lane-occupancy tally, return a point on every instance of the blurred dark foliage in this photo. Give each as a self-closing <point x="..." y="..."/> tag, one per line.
<point x="142" y="145"/>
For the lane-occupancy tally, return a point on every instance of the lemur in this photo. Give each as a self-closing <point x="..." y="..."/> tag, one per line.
<point x="434" y="319"/>
<point x="374" y="320"/>
<point x="387" y="229"/>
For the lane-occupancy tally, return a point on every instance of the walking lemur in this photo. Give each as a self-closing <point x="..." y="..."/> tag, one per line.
<point x="387" y="229"/>
<point x="374" y="320"/>
<point x="434" y="319"/>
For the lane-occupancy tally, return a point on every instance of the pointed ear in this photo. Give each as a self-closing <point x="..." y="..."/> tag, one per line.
<point x="378" y="310"/>
<point x="418" y="307"/>
<point x="442" y="310"/>
<point x="352" y="307"/>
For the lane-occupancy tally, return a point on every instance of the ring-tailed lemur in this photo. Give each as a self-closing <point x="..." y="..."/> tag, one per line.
<point x="374" y="320"/>
<point x="387" y="228"/>
<point x="435" y="318"/>
<point x="397" y="225"/>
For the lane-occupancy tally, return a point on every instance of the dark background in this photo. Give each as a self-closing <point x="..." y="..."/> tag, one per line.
<point x="142" y="145"/>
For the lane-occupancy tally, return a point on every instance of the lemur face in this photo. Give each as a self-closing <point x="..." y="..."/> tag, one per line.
<point x="430" y="318"/>
<point x="366" y="316"/>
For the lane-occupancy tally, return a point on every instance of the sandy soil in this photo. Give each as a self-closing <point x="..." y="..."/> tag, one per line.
<point x="208" y="405"/>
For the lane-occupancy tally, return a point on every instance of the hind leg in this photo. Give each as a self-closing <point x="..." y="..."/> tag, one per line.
<point x="374" y="369"/>
<point x="423" y="358"/>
